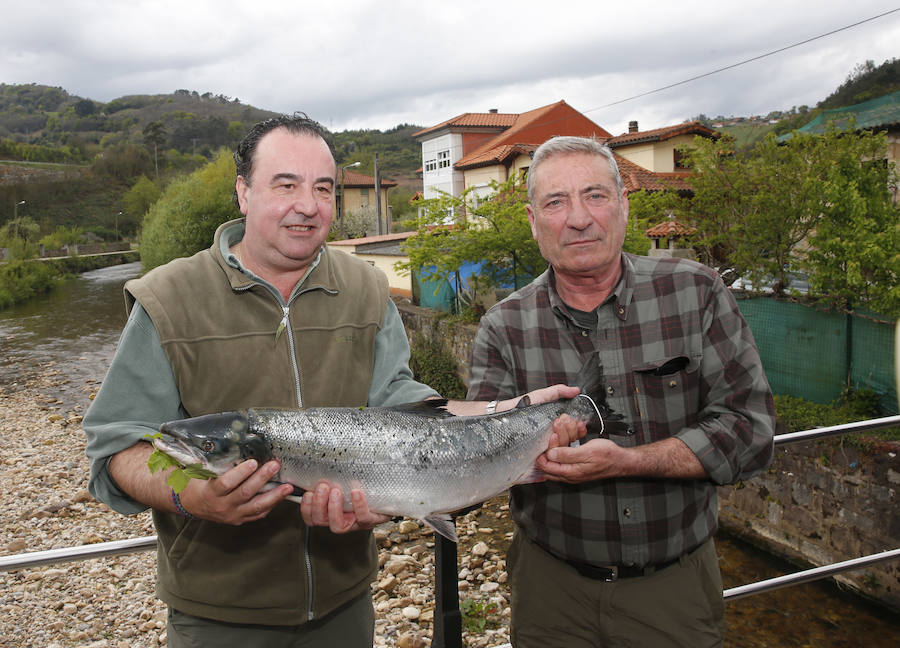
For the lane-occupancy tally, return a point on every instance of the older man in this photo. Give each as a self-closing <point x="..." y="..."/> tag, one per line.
<point x="266" y="317"/>
<point x="617" y="550"/>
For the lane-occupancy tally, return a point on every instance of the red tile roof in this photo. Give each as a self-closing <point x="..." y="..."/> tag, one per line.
<point x="668" y="229"/>
<point x="499" y="121"/>
<point x="530" y="130"/>
<point x="354" y="179"/>
<point x="661" y="134"/>
<point x="637" y="177"/>
<point x="496" y="155"/>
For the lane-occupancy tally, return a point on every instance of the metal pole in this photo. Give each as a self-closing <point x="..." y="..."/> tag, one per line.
<point x="447" y="630"/>
<point x="858" y="426"/>
<point x="16" y="217"/>
<point x="808" y="575"/>
<point x="379" y="229"/>
<point x="69" y="554"/>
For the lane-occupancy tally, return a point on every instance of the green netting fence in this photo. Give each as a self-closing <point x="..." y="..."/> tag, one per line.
<point x="813" y="354"/>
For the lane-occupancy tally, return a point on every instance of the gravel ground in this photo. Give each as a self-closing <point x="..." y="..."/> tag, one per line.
<point x="110" y="602"/>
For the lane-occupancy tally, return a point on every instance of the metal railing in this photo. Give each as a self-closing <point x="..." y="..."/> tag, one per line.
<point x="446" y="631"/>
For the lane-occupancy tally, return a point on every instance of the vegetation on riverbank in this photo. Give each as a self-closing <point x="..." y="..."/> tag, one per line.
<point x="21" y="280"/>
<point x="797" y="414"/>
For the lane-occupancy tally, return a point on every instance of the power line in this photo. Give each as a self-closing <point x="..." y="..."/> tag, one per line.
<point x="749" y="60"/>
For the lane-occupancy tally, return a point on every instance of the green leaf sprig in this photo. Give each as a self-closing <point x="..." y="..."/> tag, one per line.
<point x="178" y="479"/>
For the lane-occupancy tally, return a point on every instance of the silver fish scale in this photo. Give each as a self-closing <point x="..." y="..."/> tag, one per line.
<point x="406" y="463"/>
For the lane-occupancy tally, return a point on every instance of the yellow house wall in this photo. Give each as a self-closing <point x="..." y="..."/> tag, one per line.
<point x="658" y="157"/>
<point x="353" y="200"/>
<point x="399" y="284"/>
<point x="641" y="154"/>
<point x="484" y="175"/>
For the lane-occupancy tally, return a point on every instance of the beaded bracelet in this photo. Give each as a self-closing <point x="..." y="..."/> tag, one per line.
<point x="177" y="502"/>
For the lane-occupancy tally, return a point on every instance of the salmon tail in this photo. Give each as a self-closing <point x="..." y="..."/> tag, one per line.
<point x="591" y="380"/>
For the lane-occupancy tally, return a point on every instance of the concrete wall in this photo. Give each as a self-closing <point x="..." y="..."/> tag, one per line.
<point x="820" y="502"/>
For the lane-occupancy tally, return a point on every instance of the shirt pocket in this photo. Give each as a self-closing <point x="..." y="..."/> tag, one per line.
<point x="666" y="393"/>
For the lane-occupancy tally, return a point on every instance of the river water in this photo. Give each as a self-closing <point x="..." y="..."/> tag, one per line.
<point x="74" y="332"/>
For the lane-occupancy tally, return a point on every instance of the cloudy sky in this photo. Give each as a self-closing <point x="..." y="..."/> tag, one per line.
<point x="366" y="64"/>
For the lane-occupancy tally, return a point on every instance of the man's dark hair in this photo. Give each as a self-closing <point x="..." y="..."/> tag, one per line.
<point x="298" y="124"/>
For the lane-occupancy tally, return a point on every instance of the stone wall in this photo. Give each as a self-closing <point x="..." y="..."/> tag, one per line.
<point x="820" y="502"/>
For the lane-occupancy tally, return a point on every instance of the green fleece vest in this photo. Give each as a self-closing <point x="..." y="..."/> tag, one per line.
<point x="219" y="330"/>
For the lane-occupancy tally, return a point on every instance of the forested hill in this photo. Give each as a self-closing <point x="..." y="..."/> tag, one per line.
<point x="184" y="120"/>
<point x="47" y="124"/>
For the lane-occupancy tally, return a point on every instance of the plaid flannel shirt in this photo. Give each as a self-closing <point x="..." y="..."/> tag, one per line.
<point x="679" y="361"/>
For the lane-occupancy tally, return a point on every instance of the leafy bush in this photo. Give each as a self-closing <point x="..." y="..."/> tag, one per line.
<point x="853" y="405"/>
<point x="184" y="219"/>
<point x="22" y="280"/>
<point x="433" y="365"/>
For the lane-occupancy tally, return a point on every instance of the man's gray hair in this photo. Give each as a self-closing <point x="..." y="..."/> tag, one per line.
<point x="565" y="145"/>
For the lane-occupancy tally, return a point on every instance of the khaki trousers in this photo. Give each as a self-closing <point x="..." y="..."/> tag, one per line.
<point x="553" y="605"/>
<point x="352" y="626"/>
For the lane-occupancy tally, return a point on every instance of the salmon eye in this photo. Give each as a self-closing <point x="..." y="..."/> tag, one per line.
<point x="208" y="446"/>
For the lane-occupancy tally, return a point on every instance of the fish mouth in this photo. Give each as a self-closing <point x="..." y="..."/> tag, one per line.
<point x="183" y="453"/>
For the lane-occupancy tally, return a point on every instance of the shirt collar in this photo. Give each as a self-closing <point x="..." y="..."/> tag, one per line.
<point x="620" y="298"/>
<point x="233" y="233"/>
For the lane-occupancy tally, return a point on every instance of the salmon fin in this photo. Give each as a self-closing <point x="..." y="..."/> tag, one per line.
<point x="533" y="476"/>
<point x="433" y="408"/>
<point x="444" y="524"/>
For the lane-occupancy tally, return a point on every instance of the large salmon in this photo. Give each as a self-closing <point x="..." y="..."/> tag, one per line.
<point x="415" y="460"/>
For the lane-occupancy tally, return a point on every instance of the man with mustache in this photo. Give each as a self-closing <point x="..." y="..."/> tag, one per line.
<point x="616" y="548"/>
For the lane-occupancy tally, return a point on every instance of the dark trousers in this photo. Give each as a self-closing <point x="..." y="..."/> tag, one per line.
<point x="553" y="605"/>
<point x="352" y="626"/>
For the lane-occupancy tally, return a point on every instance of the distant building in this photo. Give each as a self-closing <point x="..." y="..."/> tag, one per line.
<point x="359" y="193"/>
<point x="657" y="150"/>
<point x="471" y="150"/>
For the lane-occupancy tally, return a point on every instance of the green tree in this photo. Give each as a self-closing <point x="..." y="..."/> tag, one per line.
<point x="141" y="196"/>
<point x="155" y="134"/>
<point x="493" y="229"/>
<point x="62" y="236"/>
<point x="649" y="208"/>
<point x="854" y="250"/>
<point x="187" y="214"/>
<point x="819" y="203"/>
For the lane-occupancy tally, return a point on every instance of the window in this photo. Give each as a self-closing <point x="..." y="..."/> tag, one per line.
<point x="444" y="159"/>
<point x="680" y="160"/>
<point x="430" y="165"/>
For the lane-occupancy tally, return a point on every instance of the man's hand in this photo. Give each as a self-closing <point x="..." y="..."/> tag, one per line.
<point x="596" y="459"/>
<point x="604" y="459"/>
<point x="324" y="506"/>
<point x="565" y="431"/>
<point x="237" y="496"/>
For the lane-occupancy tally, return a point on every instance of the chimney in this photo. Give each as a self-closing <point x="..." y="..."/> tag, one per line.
<point x="632" y="127"/>
<point x="493" y="111"/>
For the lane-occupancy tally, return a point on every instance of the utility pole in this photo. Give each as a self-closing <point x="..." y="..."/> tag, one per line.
<point x="378" y="197"/>
<point x="16" y="218"/>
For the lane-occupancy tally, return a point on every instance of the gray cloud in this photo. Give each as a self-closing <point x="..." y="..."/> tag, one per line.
<point x="374" y="65"/>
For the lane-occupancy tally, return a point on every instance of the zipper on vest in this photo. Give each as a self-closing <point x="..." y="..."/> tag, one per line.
<point x="285" y="325"/>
